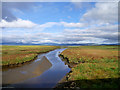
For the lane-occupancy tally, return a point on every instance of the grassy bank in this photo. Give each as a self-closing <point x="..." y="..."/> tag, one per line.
<point x="13" y="55"/>
<point x="94" y="67"/>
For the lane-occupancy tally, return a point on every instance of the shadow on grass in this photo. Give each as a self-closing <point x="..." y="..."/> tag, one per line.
<point x="94" y="83"/>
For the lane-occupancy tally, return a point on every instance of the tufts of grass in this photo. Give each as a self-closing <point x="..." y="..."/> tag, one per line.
<point x="21" y="54"/>
<point x="97" y="66"/>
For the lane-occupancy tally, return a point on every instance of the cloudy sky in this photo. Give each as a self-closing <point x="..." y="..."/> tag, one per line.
<point x="59" y="22"/>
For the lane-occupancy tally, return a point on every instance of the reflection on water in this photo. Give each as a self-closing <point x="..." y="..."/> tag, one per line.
<point x="18" y="74"/>
<point x="42" y="73"/>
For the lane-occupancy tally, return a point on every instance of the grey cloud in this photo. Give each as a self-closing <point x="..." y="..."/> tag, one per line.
<point x="7" y="8"/>
<point x="12" y="39"/>
<point x="108" y="33"/>
<point x="108" y="28"/>
<point x="111" y="41"/>
<point x="107" y="36"/>
<point x="61" y="38"/>
<point x="7" y="15"/>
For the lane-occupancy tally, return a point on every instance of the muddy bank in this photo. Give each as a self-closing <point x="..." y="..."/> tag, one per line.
<point x="26" y="72"/>
<point x="66" y="60"/>
<point x="64" y="83"/>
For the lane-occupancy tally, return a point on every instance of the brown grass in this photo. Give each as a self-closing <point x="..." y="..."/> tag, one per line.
<point x="95" y="67"/>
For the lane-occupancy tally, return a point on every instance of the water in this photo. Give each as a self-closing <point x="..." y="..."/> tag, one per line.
<point x="49" y="77"/>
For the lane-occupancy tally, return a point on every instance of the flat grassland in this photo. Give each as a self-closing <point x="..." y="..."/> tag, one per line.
<point x="12" y="55"/>
<point x="94" y="67"/>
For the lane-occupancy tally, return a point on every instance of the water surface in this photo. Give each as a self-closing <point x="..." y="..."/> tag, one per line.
<point x="53" y="71"/>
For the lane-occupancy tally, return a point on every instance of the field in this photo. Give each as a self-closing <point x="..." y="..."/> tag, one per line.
<point x="94" y="67"/>
<point x="12" y="55"/>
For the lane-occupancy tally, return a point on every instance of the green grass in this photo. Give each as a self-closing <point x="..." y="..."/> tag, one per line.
<point x="97" y="66"/>
<point x="21" y="54"/>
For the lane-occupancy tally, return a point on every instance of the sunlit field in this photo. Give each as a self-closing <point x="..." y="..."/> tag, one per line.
<point x="93" y="66"/>
<point x="20" y="54"/>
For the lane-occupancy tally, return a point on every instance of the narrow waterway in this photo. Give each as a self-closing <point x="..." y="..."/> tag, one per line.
<point x="45" y="72"/>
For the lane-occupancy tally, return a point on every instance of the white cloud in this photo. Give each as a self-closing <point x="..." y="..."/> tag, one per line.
<point x="19" y="23"/>
<point x="98" y="34"/>
<point x="73" y="24"/>
<point x="68" y="36"/>
<point x="48" y="24"/>
<point x="102" y="13"/>
<point x="98" y="26"/>
<point x="65" y="24"/>
<point x="94" y="0"/>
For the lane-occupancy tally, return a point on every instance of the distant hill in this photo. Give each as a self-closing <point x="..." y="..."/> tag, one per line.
<point x="55" y="44"/>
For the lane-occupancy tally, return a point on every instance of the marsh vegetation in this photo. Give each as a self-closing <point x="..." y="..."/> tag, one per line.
<point x="94" y="67"/>
<point x="14" y="55"/>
